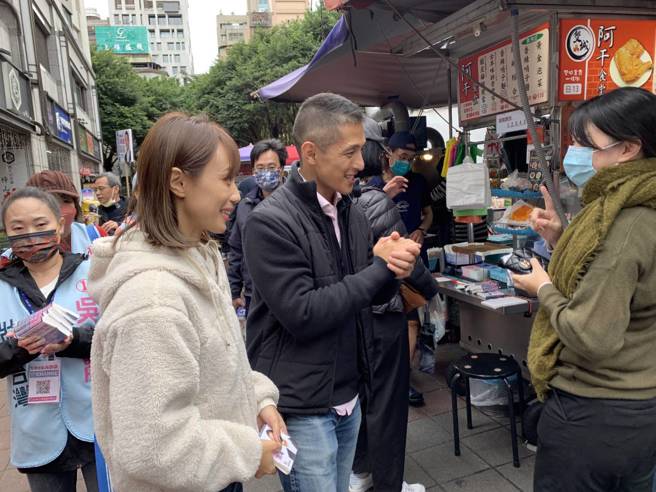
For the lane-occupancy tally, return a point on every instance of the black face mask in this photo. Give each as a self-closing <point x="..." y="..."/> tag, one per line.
<point x="35" y="247"/>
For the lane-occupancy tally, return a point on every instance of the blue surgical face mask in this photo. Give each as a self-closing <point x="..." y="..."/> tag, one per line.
<point x="578" y="163"/>
<point x="267" y="180"/>
<point x="400" y="168"/>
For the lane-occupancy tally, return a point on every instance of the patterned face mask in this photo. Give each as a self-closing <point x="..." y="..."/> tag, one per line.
<point x="267" y="180"/>
<point x="35" y="247"/>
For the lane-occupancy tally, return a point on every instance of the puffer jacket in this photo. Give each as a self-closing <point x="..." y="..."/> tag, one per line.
<point x="384" y="218"/>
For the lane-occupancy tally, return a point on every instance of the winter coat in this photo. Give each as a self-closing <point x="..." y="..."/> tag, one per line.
<point x="175" y="400"/>
<point x="306" y="295"/>
<point x="238" y="274"/>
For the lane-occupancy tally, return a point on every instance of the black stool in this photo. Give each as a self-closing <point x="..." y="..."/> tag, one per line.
<point x="486" y="366"/>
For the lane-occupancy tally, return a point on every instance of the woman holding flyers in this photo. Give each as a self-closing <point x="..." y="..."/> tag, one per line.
<point x="177" y="406"/>
<point x="49" y="440"/>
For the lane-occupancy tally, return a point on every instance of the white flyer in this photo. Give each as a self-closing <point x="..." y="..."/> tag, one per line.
<point x="283" y="459"/>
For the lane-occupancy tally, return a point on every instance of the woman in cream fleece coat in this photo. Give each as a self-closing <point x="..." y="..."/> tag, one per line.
<point x="176" y="404"/>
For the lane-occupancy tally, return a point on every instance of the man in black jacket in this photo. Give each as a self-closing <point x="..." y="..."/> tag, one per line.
<point x="315" y="278"/>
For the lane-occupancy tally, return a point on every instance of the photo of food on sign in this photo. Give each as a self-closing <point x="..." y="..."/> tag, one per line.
<point x="599" y="55"/>
<point x="631" y="65"/>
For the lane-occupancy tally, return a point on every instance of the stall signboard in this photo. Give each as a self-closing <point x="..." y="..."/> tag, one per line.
<point x="59" y="122"/>
<point x="87" y="143"/>
<point x="15" y="94"/>
<point x="494" y="67"/>
<point x="599" y="55"/>
<point x="123" y="40"/>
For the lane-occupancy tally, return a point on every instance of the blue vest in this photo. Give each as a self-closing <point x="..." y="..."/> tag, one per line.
<point x="39" y="432"/>
<point x="80" y="239"/>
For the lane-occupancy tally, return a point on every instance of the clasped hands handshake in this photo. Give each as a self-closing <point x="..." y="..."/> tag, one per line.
<point x="400" y="254"/>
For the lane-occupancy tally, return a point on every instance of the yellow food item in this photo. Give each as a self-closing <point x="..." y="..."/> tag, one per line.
<point x="628" y="61"/>
<point x="521" y="214"/>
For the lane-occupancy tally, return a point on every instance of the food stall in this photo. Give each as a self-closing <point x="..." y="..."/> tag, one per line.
<point x="516" y="68"/>
<point x="567" y="54"/>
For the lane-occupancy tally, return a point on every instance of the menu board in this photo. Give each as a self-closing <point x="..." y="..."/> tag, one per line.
<point x="494" y="67"/>
<point x="599" y="55"/>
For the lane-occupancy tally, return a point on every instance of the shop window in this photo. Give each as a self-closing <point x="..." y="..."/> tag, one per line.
<point x="59" y="158"/>
<point x="41" y="44"/>
<point x="10" y="35"/>
<point x="80" y="93"/>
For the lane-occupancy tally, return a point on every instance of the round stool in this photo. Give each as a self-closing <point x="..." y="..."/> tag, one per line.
<point x="486" y="366"/>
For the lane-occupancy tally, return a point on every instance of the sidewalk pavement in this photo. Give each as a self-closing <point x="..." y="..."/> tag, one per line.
<point x="485" y="463"/>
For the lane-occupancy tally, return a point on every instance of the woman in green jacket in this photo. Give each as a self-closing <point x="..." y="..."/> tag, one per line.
<point x="591" y="353"/>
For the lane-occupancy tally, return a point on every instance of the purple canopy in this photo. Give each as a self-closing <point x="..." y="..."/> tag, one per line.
<point x="363" y="67"/>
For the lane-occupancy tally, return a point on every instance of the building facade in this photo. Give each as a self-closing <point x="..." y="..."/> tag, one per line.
<point x="269" y="13"/>
<point x="169" y="36"/>
<point x="141" y="62"/>
<point x="49" y="115"/>
<point x="230" y="30"/>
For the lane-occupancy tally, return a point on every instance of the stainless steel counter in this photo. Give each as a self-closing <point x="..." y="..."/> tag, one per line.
<point x="483" y="329"/>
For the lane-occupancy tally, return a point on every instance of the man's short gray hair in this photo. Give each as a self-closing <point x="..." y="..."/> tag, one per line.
<point x="320" y="117"/>
<point x="112" y="179"/>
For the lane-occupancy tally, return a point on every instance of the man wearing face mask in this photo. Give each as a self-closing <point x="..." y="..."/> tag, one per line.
<point x="268" y="160"/>
<point x="112" y="207"/>
<point x="408" y="189"/>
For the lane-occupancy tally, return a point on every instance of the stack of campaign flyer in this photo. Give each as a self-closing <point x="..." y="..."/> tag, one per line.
<point x="53" y="323"/>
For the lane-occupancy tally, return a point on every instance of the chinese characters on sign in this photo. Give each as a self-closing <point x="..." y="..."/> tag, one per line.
<point x="125" y="40"/>
<point x="495" y="68"/>
<point x="599" y="55"/>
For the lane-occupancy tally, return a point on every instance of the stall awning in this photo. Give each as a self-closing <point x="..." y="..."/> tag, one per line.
<point x="357" y="61"/>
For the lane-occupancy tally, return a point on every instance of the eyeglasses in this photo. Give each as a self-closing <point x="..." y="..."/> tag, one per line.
<point x="270" y="168"/>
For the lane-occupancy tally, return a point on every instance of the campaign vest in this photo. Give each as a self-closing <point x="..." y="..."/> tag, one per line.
<point x="80" y="238"/>
<point x="39" y="432"/>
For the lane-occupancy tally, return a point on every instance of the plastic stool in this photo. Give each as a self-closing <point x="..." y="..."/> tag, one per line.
<point x="486" y="366"/>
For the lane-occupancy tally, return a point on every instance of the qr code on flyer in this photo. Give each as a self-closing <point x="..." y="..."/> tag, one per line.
<point x="43" y="387"/>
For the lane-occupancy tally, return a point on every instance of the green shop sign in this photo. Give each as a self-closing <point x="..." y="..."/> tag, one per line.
<point x="123" y="40"/>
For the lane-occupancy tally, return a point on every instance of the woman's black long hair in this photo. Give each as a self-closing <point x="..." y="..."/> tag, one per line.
<point x="626" y="114"/>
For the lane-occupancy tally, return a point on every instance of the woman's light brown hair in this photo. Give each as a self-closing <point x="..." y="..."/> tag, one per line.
<point x="182" y="141"/>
